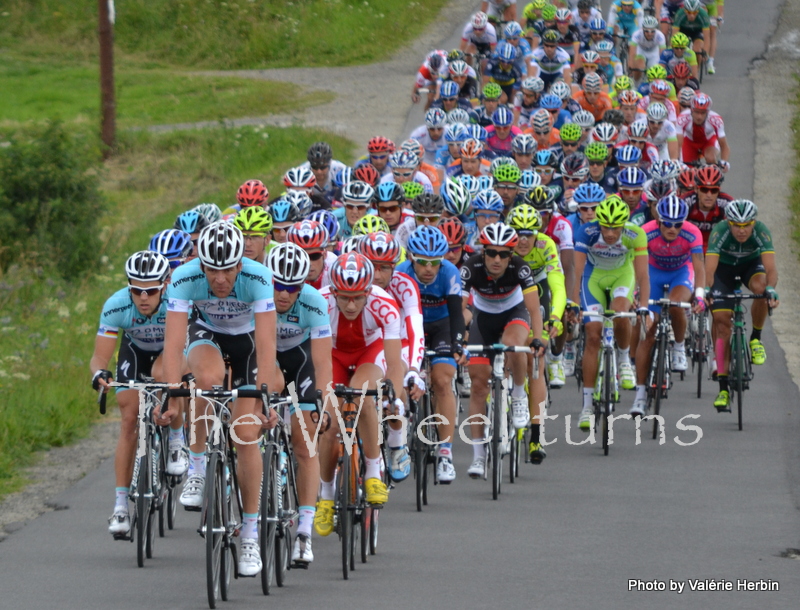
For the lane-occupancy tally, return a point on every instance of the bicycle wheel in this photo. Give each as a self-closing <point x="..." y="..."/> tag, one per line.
<point x="172" y="507"/>
<point x="345" y="515"/>
<point x="700" y="348"/>
<point x="355" y="501"/>
<point x="608" y="395"/>
<point x="213" y="510"/>
<point x="373" y="530"/>
<point x="143" y="506"/>
<point x="701" y="67"/>
<point x="269" y="517"/>
<point x="660" y="372"/>
<point x="227" y="489"/>
<point x="496" y="443"/>
<point x="738" y="382"/>
<point x="286" y="494"/>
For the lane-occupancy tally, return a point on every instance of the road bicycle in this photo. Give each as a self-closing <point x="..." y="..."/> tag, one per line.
<point x="423" y="436"/>
<point x="623" y="50"/>
<point x="152" y="490"/>
<point x="702" y="65"/>
<point x="698" y="345"/>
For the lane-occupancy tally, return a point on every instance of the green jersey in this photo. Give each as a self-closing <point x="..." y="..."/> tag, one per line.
<point x="731" y="252"/>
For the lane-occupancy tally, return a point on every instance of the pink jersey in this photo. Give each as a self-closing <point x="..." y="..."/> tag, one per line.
<point x="712" y="129"/>
<point x="672" y="255"/>
<point x="380" y="319"/>
<point x="406" y="292"/>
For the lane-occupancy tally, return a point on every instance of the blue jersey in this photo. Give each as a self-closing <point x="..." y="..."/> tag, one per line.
<point x="233" y="315"/>
<point x="345" y="230"/>
<point x="434" y="295"/>
<point x="307" y="318"/>
<point x="119" y="312"/>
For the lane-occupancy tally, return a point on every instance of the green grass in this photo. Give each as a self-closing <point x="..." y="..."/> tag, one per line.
<point x="47" y="328"/>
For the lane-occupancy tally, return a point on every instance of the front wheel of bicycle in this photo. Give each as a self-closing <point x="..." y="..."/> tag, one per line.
<point x="497" y="426"/>
<point x="214" y="527"/>
<point x="143" y="507"/>
<point x="738" y="382"/>
<point x="607" y="395"/>
<point x="659" y="377"/>
<point x="373" y="530"/>
<point x="345" y="516"/>
<point x="268" y="513"/>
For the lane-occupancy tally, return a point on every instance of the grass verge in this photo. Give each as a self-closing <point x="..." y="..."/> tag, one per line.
<point x="47" y="327"/>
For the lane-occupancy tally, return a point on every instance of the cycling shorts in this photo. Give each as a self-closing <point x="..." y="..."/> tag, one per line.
<point x="668" y="11"/>
<point x="682" y="276"/>
<point x="725" y="281"/>
<point x="619" y="282"/>
<point x="651" y="58"/>
<point x="133" y="363"/>
<point x="487" y="328"/>
<point x="238" y="350"/>
<point x="437" y="337"/>
<point x="695" y="35"/>
<point x="346" y="363"/>
<point x="544" y="299"/>
<point x="297" y="366"/>
<point x="694" y="151"/>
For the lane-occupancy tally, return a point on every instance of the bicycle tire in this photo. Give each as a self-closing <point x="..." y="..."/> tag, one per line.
<point x="345" y="515"/>
<point x="268" y="513"/>
<point x="355" y="501"/>
<point x="228" y="516"/>
<point x="373" y="530"/>
<point x="419" y="453"/>
<point x="700" y="352"/>
<point x="497" y="461"/>
<point x="660" y="376"/>
<point x="172" y="507"/>
<point x="283" y="545"/>
<point x="215" y="523"/>
<point x="143" y="506"/>
<point x="701" y="65"/>
<point x="608" y="398"/>
<point x="739" y="381"/>
<point x="364" y="525"/>
<point x="429" y="432"/>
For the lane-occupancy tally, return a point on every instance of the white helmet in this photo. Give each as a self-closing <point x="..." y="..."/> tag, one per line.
<point x="220" y="246"/>
<point x="289" y="264"/>
<point x="147" y="266"/>
<point x="479" y="20"/>
<point x="657" y="112"/>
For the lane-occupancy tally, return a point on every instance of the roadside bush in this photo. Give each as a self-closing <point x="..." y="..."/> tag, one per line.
<point x="50" y="203"/>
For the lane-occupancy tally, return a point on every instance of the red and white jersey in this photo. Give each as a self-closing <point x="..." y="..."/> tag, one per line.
<point x="324" y="278"/>
<point x="425" y="76"/>
<point x="713" y="127"/>
<point x="650" y="155"/>
<point x="380" y="319"/>
<point x="672" y="115"/>
<point x="560" y="231"/>
<point x="406" y="292"/>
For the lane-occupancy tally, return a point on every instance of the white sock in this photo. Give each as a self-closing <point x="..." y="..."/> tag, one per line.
<point x="395" y="438"/>
<point x="176" y="436"/>
<point x="121" y="501"/>
<point x="197" y="463"/>
<point x="327" y="490"/>
<point x="373" y="468"/>
<point x="249" y="525"/>
<point x="445" y="450"/>
<point x="641" y="392"/>
<point x="587" y="398"/>
<point x="680" y="347"/>
<point x="624" y="356"/>
<point x="478" y="451"/>
<point x="518" y="391"/>
<point x="306" y="520"/>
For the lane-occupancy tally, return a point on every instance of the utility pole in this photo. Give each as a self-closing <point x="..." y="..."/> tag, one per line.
<point x="108" y="106"/>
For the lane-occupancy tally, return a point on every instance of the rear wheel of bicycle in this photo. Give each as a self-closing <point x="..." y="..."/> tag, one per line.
<point x="607" y="396"/>
<point x="345" y="516"/>
<point x="496" y="444"/>
<point x="215" y="526"/>
<point x="513" y="454"/>
<point x="364" y="525"/>
<point x="659" y="376"/>
<point x="143" y="507"/>
<point x="738" y="382"/>
<point x="700" y="348"/>
<point x="355" y="523"/>
<point x="283" y="538"/>
<point x="282" y="553"/>
<point x="268" y="513"/>
<point x="373" y="530"/>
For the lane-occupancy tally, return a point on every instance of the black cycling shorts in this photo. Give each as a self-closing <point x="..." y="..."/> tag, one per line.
<point x="725" y="281"/>
<point x="133" y="362"/>
<point x="298" y="367"/>
<point x="487" y="328"/>
<point x="238" y="350"/>
<point x="438" y="338"/>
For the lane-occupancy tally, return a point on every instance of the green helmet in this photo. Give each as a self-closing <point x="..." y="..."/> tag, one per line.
<point x="679" y="41"/>
<point x="539" y="4"/>
<point x="596" y="151"/>
<point x="548" y="14"/>
<point x="507" y="173"/>
<point x="657" y="72"/>
<point x="571" y="132"/>
<point x="254" y="219"/>
<point x="370" y="224"/>
<point x="412" y="189"/>
<point x="623" y="82"/>
<point x="525" y="217"/>
<point x="499" y="162"/>
<point x="613" y="212"/>
<point x="492" y="91"/>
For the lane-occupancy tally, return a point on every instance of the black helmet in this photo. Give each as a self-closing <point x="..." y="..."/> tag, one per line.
<point x="320" y="153"/>
<point x="428" y="203"/>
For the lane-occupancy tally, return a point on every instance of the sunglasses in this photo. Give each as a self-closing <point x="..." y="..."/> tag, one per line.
<point x="175" y="263"/>
<point x="592" y="66"/>
<point x="456" y="248"/>
<point x="541" y="133"/>
<point x="315" y="256"/>
<point x="151" y="292"/>
<point x="597" y="162"/>
<point x="658" y="123"/>
<point x="549" y="46"/>
<point x="254" y="236"/>
<point x="501" y="254"/>
<point x="529" y="94"/>
<point x="403" y="174"/>
<point x="427" y="262"/>
<point x="631" y="191"/>
<point x="708" y="189"/>
<point x="671" y="225"/>
<point x="741" y="225"/>
<point x="319" y="168"/>
<point x="526" y="234"/>
<point x="346" y="300"/>
<point x="487" y="215"/>
<point x="563" y="143"/>
<point x="571" y="178"/>
<point x="544" y="170"/>
<point x="284" y="288"/>
<point x="390" y="209"/>
<point x="587" y="208"/>
<point x="353" y="206"/>
<point x="379" y="157"/>
<point x="506" y="187"/>
<point x="428" y="217"/>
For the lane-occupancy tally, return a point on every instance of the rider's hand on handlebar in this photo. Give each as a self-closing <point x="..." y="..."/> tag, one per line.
<point x="415" y="383"/>
<point x="101" y="378"/>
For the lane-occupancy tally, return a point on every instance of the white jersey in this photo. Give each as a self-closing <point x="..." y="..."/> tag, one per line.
<point x="431" y="146"/>
<point x="714" y="126"/>
<point x="403" y="232"/>
<point x="659" y="41"/>
<point x="335" y="168"/>
<point x="667" y="133"/>
<point x="488" y="36"/>
<point x="406" y="293"/>
<point x="496" y="8"/>
<point x="671" y="114"/>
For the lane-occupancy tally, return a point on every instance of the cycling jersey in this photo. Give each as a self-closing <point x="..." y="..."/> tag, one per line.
<point x="672" y="115"/>
<point x="306" y="319"/>
<point x="486" y="37"/>
<point x="568" y="40"/>
<point x="668" y="59"/>
<point x="671" y="255"/>
<point x="325" y="277"/>
<point x="455" y="169"/>
<point x="696" y="138"/>
<point x="666" y="133"/>
<point x="496" y="295"/>
<point x="628" y="23"/>
<point x="693" y="29"/>
<point x="545" y="265"/>
<point x="328" y="189"/>
<point x="583" y="26"/>
<point x="657" y="44"/>
<point x="425" y="77"/>
<point x="379" y="320"/>
<point x="598" y="109"/>
<point x="501" y="147"/>
<point x="232" y="315"/>
<point x="721" y="243"/>
<point x="431" y="146"/>
<point x="434" y="295"/>
<point x="119" y="312"/>
<point x="406" y="294"/>
<point x="559" y="230"/>
<point x="603" y="256"/>
<point x="496" y="8"/>
<point x="705" y="221"/>
<point x="551" y="67"/>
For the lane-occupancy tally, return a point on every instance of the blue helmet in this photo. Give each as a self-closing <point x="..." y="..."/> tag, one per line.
<point x="390" y="191"/>
<point x="512" y="30"/>
<point x="597" y="25"/>
<point x="343" y="176"/>
<point x="550" y="102"/>
<point x="457" y="132"/>
<point x="282" y="210"/>
<point x="327" y="220"/>
<point x="172" y="243"/>
<point x="471" y="183"/>
<point x="502" y="117"/>
<point x="545" y="158"/>
<point x="506" y="52"/>
<point x="427" y="241"/>
<point x="628" y="154"/>
<point x="478" y="132"/>
<point x="589" y="192"/>
<point x="449" y="89"/>
<point x="631" y="178"/>
<point x="672" y="209"/>
<point x="191" y="222"/>
<point x="529" y="179"/>
<point x="488" y="200"/>
<point x="485" y="182"/>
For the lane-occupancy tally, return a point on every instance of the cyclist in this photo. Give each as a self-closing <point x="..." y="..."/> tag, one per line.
<point x="505" y="301"/>
<point x="592" y="97"/>
<point x="681" y="77"/>
<point x="610" y="255"/>
<point x="439" y="284"/>
<point x="499" y="11"/>
<point x="366" y="327"/>
<point x="513" y="37"/>
<point x="707" y="202"/>
<point x="716" y="13"/>
<point x="625" y="17"/>
<point x="502" y="132"/>
<point x="502" y="70"/>
<point x="659" y="92"/>
<point x="646" y="46"/>
<point x="456" y="235"/>
<point x="631" y="187"/>
<point x="679" y="51"/>
<point x="233" y="298"/>
<point x="284" y="214"/>
<point x="583" y="15"/>
<point x="255" y="223"/>
<point x="172" y="244"/>
<point x="574" y="170"/>
<point x="192" y="223"/>
<point x="482" y="115"/>
<point x="703" y="134"/>
<point x="251" y="193"/>
<point x="379" y="149"/>
<point x="598" y="32"/>
<point x="675" y="260"/>
<point x="693" y="21"/>
<point x="662" y="132"/>
<point x="139" y="311"/>
<point x="489" y="209"/>
<point x="570" y="37"/>
<point x="449" y="98"/>
<point x="740" y="251"/>
<point x="463" y="75"/>
<point x="506" y="179"/>
<point x="597" y="154"/>
<point x="324" y="167"/>
<point x="428" y="76"/>
<point x="569" y="143"/>
<point x="303" y="353"/>
<point x="358" y="198"/>
<point x="413" y="146"/>
<point x="551" y="62"/>
<point x="607" y="63"/>
<point x="312" y="237"/>
<point x="390" y="205"/>
<point x="479" y="36"/>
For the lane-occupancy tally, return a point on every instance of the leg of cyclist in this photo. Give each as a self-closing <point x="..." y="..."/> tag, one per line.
<point x="516" y="333"/>
<point x="622" y="335"/>
<point x="368" y="432"/>
<point x="307" y="482"/>
<point x="591" y="350"/>
<point x="442" y="374"/>
<point x="128" y="402"/>
<point x="480" y="371"/>
<point x="723" y="325"/>
<point x="758" y="311"/>
<point x="679" y="294"/>
<point x="178" y="459"/>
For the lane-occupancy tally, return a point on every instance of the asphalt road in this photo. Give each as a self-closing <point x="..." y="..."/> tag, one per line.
<point x="569" y="534"/>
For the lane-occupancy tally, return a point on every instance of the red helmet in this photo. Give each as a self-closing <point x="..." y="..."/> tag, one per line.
<point x="681" y="69"/>
<point x="380" y="247"/>
<point x="454" y="231"/>
<point x="701" y="102"/>
<point x="659" y="87"/>
<point x="686" y="178"/>
<point x="499" y="234"/>
<point x="628" y="97"/>
<point x="252" y="193"/>
<point x="351" y="273"/>
<point x="367" y="173"/>
<point x="708" y="175"/>
<point x="308" y="234"/>
<point x="379" y="144"/>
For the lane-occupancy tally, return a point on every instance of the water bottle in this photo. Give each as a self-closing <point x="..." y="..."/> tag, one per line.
<point x="227" y="481"/>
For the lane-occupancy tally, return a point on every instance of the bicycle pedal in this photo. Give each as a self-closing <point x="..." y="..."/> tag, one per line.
<point x="299" y="565"/>
<point x="125" y="537"/>
<point x="376" y="506"/>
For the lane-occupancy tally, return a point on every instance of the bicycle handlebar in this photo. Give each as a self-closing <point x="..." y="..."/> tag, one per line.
<point x="499" y="347"/>
<point x="741" y="296"/>
<point x="612" y="316"/>
<point x="680" y="304"/>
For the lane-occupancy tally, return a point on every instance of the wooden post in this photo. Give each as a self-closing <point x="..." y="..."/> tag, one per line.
<point x="108" y="107"/>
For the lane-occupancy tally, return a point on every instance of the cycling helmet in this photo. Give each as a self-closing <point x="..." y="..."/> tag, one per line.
<point x="597" y="25"/>
<point x="575" y="165"/>
<point x="507" y="173"/>
<point x="380" y="247"/>
<point x="631" y="178"/>
<point x="638" y="129"/>
<point x="701" y="102"/>
<point x="708" y="175"/>
<point x="605" y="133"/>
<point x="628" y="97"/>
<point x="656" y="190"/>
<point x="486" y="182"/>
<point x="403" y="159"/>
<point x="614" y="116"/>
<point x="449" y="89"/>
<point x="540" y="121"/>
<point x="329" y="221"/>
<point x="350" y="244"/>
<point x="659" y="87"/>
<point x="457" y="132"/>
<point x="412" y="189"/>
<point x="550" y="102"/>
<point x="561" y="90"/>
<point x="343" y="176"/>
<point x="359" y="192"/>
<point x="300" y="200"/>
<point x="628" y="154"/>
<point x="455" y="55"/>
<point x="309" y="235"/>
<point x="589" y="57"/>
<point x="686" y="178"/>
<point x="493" y="91"/>
<point x="665" y="170"/>
<point x="741" y="210"/>
<point x="453" y="231"/>
<point x="523" y="144"/>
<point x="299" y="178"/>
<point x="604" y="46"/>
<point x="252" y="192"/>
<point x="427" y="241"/>
<point x="379" y="144"/>
<point x="435" y="61"/>
<point x="532" y="83"/>
<point x="147" y="266"/>
<point x="545" y="158"/>
<point x="691" y="6"/>
<point x="596" y="151"/>
<point x="679" y="40"/>
<point x="471" y="183"/>
<point x="506" y="52"/>
<point x="585" y="5"/>
<point x="623" y="83"/>
<point x="289" y="264"/>
<point x="550" y="37"/>
<point x="479" y="20"/>
<point x="458" y="68"/>
<point x="370" y="224"/>
<point x="366" y="172"/>
<point x="672" y="209"/>
<point x="427" y="203"/>
<point x="497" y="162"/>
<point x="613" y="212"/>
<point x="525" y="217"/>
<point x="456" y="197"/>
<point x="458" y="116"/>
<point x="220" y="246"/>
<point x="191" y="222"/>
<point x="528" y="180"/>
<point x="649" y="23"/>
<point x="489" y="201"/>
<point x="589" y="192"/>
<point x="502" y="117"/>
<point x="541" y="198"/>
<point x="656" y="72"/>
<point x="319" y="153"/>
<point x="283" y="211"/>
<point x="499" y="234"/>
<point x="390" y="191"/>
<point x="351" y="273"/>
<point x="253" y="220"/>
<point x="563" y="15"/>
<point x="471" y="149"/>
<point x="592" y="82"/>
<point x="172" y="243"/>
<point x="681" y="69"/>
<point x="570" y="132"/>
<point x="512" y="30"/>
<point x="210" y="210"/>
<point x="686" y="96"/>
<point x="583" y="118"/>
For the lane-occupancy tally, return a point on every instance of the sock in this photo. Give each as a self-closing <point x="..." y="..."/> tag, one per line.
<point x="176" y="438"/>
<point x="249" y="525"/>
<point x="718" y="351"/>
<point x="197" y="463"/>
<point x="624" y="356"/>
<point x="518" y="391"/>
<point x="641" y="392"/>
<point x="587" y="398"/>
<point x="556" y="357"/>
<point x="478" y="451"/>
<point x="679" y="346"/>
<point x="445" y="450"/>
<point x="535" y="429"/>
<point x="723" y="383"/>
<point x="306" y="520"/>
<point x="373" y="468"/>
<point x="395" y="438"/>
<point x="122" y="498"/>
<point x="326" y="490"/>
<point x="756" y="334"/>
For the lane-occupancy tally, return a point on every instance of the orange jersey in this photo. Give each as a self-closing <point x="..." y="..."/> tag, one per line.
<point x="597" y="109"/>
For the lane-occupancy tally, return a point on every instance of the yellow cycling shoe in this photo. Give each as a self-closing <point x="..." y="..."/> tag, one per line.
<point x="323" y="519"/>
<point x="377" y="494"/>
<point x="758" y="352"/>
<point x="722" y="400"/>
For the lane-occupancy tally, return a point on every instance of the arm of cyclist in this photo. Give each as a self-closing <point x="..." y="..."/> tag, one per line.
<point x="266" y="357"/>
<point x="457" y="326"/>
<point x="579" y="259"/>
<point x="531" y="300"/>
<point x="101" y="358"/>
<point x="712" y="261"/>
<point x="699" y="281"/>
<point x="642" y="272"/>
<point x="323" y="366"/>
<point x="394" y="362"/>
<point x="768" y="260"/>
<point x="174" y="341"/>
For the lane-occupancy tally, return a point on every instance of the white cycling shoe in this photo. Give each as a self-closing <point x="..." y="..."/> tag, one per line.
<point x="119" y="524"/>
<point x="478" y="468"/>
<point x="302" y="553"/>
<point x="192" y="494"/>
<point x="520" y="415"/>
<point x="249" y="557"/>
